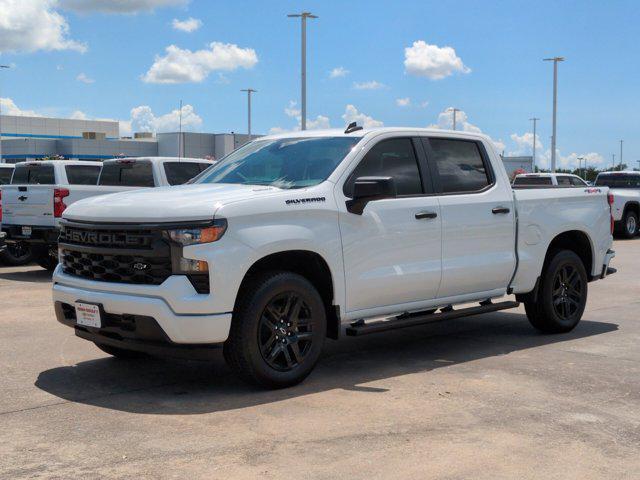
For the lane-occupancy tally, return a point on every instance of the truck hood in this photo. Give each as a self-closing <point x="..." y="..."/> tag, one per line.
<point x="164" y="204"/>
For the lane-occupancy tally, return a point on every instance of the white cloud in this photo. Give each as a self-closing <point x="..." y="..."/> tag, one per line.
<point x="144" y="120"/>
<point x="183" y="65"/>
<point x="78" y="115"/>
<point x="371" y="85"/>
<point x="321" y="122"/>
<point x="9" y="107"/>
<point x="445" y="121"/>
<point x="424" y="104"/>
<point x="119" y="6"/>
<point x="338" y="72"/>
<point x="82" y="77"/>
<point x="189" y="25"/>
<point x="32" y="25"/>
<point x="403" y="102"/>
<point x="431" y="61"/>
<point x="351" y="114"/>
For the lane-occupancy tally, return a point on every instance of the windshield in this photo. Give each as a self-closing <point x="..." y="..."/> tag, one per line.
<point x="282" y="163"/>
<point x="618" y="180"/>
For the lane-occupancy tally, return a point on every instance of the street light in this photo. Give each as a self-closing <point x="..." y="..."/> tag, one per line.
<point x="621" y="154"/>
<point x="249" y="92"/>
<point x="535" y="121"/>
<point x="303" y="67"/>
<point x="555" y="61"/>
<point x="1" y="66"/>
<point x="454" y="110"/>
<point x="580" y="159"/>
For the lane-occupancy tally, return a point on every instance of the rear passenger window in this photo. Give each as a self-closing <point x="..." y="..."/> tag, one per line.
<point x="390" y="158"/>
<point x="34" y="174"/>
<point x="460" y="165"/>
<point x="577" y="182"/>
<point x="564" y="181"/>
<point x="5" y="175"/>
<point x="179" y="173"/>
<point x="82" y="174"/>
<point x="127" y="173"/>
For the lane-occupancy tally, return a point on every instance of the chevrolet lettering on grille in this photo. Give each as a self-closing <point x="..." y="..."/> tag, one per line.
<point x="86" y="237"/>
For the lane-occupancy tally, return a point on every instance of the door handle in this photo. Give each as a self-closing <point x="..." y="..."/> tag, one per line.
<point x="428" y="215"/>
<point x="498" y="210"/>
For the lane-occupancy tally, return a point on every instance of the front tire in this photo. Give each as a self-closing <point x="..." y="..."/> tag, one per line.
<point x="46" y="257"/>
<point x="562" y="294"/>
<point x="630" y="224"/>
<point x="278" y="330"/>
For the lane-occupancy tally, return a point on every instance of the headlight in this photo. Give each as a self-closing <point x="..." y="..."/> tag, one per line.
<point x="194" y="236"/>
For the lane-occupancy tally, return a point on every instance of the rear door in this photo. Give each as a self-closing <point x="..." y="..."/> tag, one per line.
<point x="478" y="230"/>
<point x="28" y="200"/>
<point x="129" y="173"/>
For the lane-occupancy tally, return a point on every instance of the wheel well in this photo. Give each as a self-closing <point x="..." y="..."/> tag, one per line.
<point x="311" y="266"/>
<point x="576" y="241"/>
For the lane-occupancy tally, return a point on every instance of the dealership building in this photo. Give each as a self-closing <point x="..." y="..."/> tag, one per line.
<point x="30" y="138"/>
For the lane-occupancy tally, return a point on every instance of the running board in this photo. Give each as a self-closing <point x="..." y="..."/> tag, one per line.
<point x="411" y="320"/>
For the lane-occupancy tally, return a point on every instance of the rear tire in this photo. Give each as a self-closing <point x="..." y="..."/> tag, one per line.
<point x="630" y="224"/>
<point x="120" y="353"/>
<point x="562" y="294"/>
<point x="278" y="330"/>
<point x="16" y="254"/>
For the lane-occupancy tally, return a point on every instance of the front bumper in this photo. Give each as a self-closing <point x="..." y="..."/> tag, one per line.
<point x="40" y="235"/>
<point x="179" y="329"/>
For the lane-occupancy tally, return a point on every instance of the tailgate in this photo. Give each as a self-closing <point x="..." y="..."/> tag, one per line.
<point x="27" y="205"/>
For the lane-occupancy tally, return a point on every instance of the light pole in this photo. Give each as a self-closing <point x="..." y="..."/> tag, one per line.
<point x="454" y="110"/>
<point x="249" y="92"/>
<point x="580" y="159"/>
<point x="1" y="66"/>
<point x="621" y="154"/>
<point x="535" y="121"/>
<point x="303" y="67"/>
<point x="613" y="161"/>
<point x="555" y="61"/>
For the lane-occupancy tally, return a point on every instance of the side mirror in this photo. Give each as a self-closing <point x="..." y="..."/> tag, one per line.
<point x="367" y="189"/>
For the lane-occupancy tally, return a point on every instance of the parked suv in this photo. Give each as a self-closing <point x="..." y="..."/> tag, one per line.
<point x="297" y="237"/>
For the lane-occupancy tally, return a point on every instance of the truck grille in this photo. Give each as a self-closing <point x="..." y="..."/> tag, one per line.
<point x="115" y="255"/>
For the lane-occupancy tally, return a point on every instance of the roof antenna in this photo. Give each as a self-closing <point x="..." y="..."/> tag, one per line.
<point x="352" y="127"/>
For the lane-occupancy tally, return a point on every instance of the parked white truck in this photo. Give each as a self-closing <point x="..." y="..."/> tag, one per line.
<point x="301" y="236"/>
<point x="40" y="191"/>
<point x="625" y="188"/>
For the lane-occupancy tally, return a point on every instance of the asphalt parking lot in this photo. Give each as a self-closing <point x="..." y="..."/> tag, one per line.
<point x="483" y="397"/>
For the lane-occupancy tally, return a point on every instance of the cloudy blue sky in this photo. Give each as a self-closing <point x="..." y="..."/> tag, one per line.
<point x="378" y="62"/>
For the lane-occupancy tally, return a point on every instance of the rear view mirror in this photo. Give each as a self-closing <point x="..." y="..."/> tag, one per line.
<point x="367" y="189"/>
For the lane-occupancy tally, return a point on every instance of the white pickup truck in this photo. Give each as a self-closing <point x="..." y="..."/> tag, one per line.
<point x="549" y="179"/>
<point x="301" y="236"/>
<point x="40" y="191"/>
<point x="625" y="188"/>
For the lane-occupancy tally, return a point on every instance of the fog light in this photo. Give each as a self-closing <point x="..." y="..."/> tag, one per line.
<point x="187" y="265"/>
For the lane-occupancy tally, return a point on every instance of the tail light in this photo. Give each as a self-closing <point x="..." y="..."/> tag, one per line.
<point x="58" y="201"/>
<point x="610" y="200"/>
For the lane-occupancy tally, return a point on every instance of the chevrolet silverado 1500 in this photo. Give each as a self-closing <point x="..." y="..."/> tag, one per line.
<point x="297" y="237"/>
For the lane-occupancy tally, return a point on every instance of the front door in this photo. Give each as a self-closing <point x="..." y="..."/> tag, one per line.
<point x="392" y="252"/>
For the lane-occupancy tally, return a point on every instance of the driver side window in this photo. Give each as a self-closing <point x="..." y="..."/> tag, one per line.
<point x="394" y="158"/>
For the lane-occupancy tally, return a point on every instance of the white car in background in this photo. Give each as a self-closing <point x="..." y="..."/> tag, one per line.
<point x="549" y="179"/>
<point x="625" y="187"/>
<point x="40" y="191"/>
<point x="6" y="170"/>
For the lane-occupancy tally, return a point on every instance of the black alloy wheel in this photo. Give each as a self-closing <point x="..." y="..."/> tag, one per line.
<point x="285" y="332"/>
<point x="567" y="292"/>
